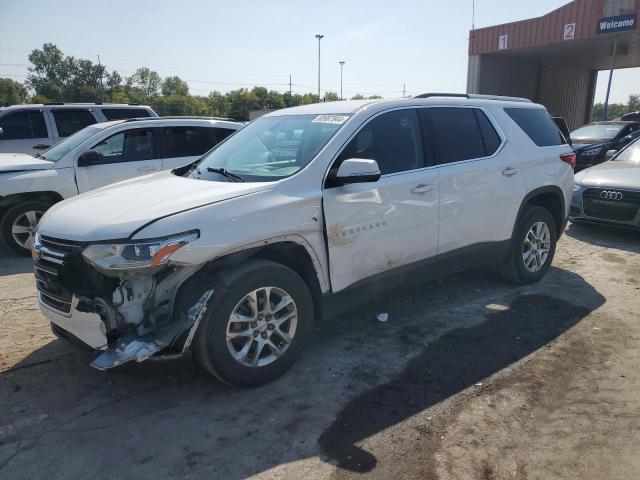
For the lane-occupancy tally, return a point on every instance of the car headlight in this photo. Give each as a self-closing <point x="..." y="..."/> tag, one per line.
<point x="137" y="255"/>
<point x="593" y="152"/>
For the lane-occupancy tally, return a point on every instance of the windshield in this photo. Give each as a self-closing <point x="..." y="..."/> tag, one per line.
<point x="631" y="153"/>
<point x="596" y="133"/>
<point x="60" y="149"/>
<point x="269" y="149"/>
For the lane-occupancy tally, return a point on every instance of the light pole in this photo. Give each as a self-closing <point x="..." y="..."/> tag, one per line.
<point x="319" y="37"/>
<point x="341" y="62"/>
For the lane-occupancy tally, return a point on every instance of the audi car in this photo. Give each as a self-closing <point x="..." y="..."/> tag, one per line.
<point x="609" y="193"/>
<point x="596" y="142"/>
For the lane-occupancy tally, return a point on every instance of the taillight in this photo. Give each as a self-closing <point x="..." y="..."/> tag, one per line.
<point x="569" y="158"/>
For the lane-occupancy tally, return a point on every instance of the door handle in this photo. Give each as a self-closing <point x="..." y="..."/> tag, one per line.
<point x="41" y="146"/>
<point x="509" y="171"/>
<point x="147" y="169"/>
<point x="422" y="188"/>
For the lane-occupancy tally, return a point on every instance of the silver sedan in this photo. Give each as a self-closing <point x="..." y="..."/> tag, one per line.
<point x="609" y="193"/>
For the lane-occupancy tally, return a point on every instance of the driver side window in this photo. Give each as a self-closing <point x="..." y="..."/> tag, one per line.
<point x="391" y="139"/>
<point x="127" y="146"/>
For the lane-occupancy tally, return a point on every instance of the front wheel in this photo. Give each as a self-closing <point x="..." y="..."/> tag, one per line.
<point x="532" y="248"/>
<point x="19" y="225"/>
<point x="258" y="322"/>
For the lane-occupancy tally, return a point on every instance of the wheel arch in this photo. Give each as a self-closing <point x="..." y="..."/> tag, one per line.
<point x="289" y="253"/>
<point x="550" y="197"/>
<point x="9" y="201"/>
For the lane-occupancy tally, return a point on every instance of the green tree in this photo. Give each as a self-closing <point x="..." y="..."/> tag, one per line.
<point x="143" y="85"/>
<point x="218" y="105"/>
<point x="357" y="97"/>
<point x="331" y="97"/>
<point x="49" y="72"/>
<point x="12" y="92"/>
<point x="174" y="86"/>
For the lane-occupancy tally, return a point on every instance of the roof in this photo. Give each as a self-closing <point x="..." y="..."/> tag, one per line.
<point x="347" y="107"/>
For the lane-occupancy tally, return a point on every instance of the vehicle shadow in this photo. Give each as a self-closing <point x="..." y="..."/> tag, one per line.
<point x="358" y="378"/>
<point x="605" y="236"/>
<point x="11" y="264"/>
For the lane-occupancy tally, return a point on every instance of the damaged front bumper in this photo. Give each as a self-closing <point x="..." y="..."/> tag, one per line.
<point x="128" y="316"/>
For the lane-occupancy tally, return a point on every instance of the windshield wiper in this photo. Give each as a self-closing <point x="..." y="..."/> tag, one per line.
<point x="224" y="173"/>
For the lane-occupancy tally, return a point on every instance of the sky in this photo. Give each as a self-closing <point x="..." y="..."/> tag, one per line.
<point x="420" y="45"/>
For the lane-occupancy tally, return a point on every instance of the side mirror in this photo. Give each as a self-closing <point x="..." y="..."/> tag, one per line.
<point x="88" y="158"/>
<point x="610" y="154"/>
<point x="358" y="170"/>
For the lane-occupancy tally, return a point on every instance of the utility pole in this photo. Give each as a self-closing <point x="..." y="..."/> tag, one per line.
<point x="341" y="62"/>
<point x="101" y="86"/>
<point x="613" y="65"/>
<point x="319" y="37"/>
<point x="404" y="90"/>
<point x="289" y="84"/>
<point x="473" y="15"/>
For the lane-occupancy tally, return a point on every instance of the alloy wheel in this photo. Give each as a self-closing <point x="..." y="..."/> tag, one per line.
<point x="24" y="228"/>
<point x="262" y="326"/>
<point x="536" y="247"/>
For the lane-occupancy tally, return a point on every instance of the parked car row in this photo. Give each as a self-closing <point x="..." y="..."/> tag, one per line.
<point x="34" y="128"/>
<point x="93" y="157"/>
<point x="598" y="141"/>
<point x="234" y="255"/>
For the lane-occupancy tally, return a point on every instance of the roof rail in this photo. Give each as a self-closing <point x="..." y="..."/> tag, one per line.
<point x="91" y="103"/>
<point x="429" y="95"/>
<point x="178" y="117"/>
<point x="498" y="97"/>
<point x="475" y="96"/>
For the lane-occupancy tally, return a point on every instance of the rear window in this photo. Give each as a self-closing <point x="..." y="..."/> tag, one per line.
<point x="537" y="124"/>
<point x="124" y="113"/>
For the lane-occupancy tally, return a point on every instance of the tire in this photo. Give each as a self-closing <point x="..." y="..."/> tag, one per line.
<point x="515" y="269"/>
<point x="211" y="347"/>
<point x="20" y="216"/>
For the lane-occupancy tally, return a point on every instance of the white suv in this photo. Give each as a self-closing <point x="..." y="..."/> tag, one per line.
<point x="233" y="257"/>
<point x="33" y="128"/>
<point x="95" y="156"/>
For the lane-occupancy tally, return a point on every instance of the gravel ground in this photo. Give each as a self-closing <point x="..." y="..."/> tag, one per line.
<point x="470" y="378"/>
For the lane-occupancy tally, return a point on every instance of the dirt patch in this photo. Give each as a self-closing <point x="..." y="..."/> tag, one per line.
<point x="455" y="362"/>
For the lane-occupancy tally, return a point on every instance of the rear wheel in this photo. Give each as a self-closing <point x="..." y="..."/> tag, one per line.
<point x="532" y="248"/>
<point x="259" y="319"/>
<point x="19" y="225"/>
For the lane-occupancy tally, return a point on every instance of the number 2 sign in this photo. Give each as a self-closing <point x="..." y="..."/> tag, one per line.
<point x="570" y="31"/>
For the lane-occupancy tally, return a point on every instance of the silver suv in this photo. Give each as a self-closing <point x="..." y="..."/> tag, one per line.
<point x="33" y="128"/>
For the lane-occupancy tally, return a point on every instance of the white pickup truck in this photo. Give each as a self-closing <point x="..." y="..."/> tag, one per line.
<point x="233" y="256"/>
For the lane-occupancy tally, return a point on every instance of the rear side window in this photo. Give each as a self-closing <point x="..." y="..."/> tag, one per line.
<point x="460" y="133"/>
<point x="537" y="124"/>
<point x="69" y="122"/>
<point x="184" y="141"/>
<point x="23" y="125"/>
<point x="124" y="113"/>
<point x="392" y="139"/>
<point x="222" y="133"/>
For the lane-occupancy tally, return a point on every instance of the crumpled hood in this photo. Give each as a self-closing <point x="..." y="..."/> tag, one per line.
<point x="11" y="162"/>
<point x="116" y="211"/>
<point x="614" y="173"/>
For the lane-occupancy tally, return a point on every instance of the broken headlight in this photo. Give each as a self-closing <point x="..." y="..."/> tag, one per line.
<point x="136" y="254"/>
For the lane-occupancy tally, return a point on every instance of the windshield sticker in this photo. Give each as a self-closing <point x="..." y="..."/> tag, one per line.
<point x="335" y="119"/>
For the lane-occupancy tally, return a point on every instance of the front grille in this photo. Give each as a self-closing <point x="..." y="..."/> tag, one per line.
<point x="50" y="270"/>
<point x="623" y="210"/>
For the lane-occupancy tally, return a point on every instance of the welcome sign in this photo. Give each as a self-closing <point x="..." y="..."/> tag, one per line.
<point x="617" y="24"/>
